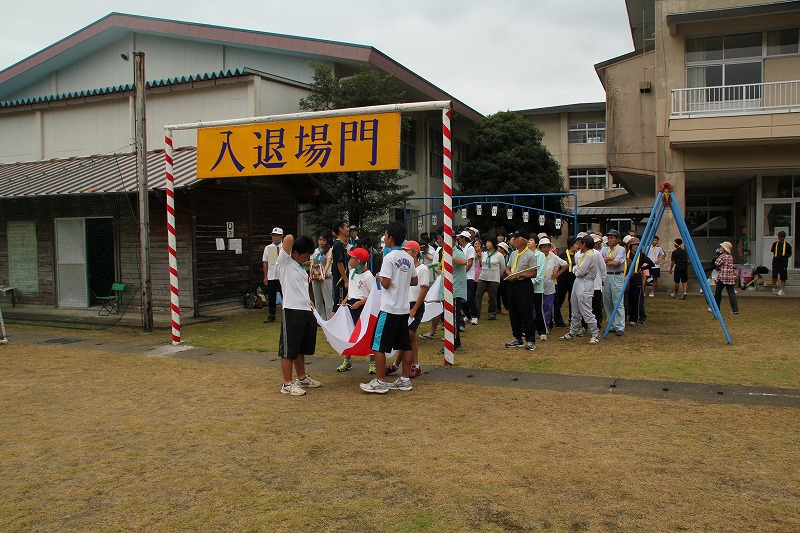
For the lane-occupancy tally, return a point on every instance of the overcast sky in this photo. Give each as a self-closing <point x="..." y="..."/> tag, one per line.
<point x="492" y="55"/>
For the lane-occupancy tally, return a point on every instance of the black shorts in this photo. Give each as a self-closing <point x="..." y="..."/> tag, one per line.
<point x="655" y="273"/>
<point x="417" y="317"/>
<point x="780" y="271"/>
<point x="391" y="333"/>
<point x="355" y="314"/>
<point x="681" y="275"/>
<point x="298" y="334"/>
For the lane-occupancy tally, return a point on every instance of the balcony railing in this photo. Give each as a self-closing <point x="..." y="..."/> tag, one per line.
<point x="782" y="96"/>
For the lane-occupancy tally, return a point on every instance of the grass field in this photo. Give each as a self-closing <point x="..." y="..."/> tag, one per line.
<point x="94" y="441"/>
<point x="99" y="441"/>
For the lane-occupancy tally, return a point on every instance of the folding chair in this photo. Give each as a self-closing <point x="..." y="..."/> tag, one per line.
<point x="110" y="303"/>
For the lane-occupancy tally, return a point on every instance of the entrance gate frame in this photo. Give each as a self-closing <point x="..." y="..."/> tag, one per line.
<point x="445" y="106"/>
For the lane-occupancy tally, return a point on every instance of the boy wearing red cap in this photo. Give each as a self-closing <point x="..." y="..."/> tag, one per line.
<point x="359" y="285"/>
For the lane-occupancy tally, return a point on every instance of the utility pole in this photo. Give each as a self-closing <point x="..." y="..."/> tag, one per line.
<point x="141" y="174"/>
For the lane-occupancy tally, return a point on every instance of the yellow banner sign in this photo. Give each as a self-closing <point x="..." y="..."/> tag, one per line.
<point x="342" y="144"/>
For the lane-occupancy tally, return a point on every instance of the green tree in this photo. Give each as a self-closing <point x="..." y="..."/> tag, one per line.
<point x="507" y="157"/>
<point x="364" y="197"/>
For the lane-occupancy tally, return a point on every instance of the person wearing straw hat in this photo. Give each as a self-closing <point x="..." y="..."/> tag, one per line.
<point x="727" y="277"/>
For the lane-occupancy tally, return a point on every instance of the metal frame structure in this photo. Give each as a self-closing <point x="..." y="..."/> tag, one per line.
<point x="445" y="107"/>
<point x="667" y="198"/>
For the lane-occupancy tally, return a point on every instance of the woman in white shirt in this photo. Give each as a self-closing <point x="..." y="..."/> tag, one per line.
<point x="322" y="278"/>
<point x="493" y="263"/>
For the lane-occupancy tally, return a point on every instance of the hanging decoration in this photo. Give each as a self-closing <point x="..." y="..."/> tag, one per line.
<point x="541" y="220"/>
<point x="558" y="223"/>
<point x="525" y="216"/>
<point x="494" y="210"/>
<point x="479" y="209"/>
<point x="434" y="221"/>
<point x="510" y="213"/>
<point x="463" y="212"/>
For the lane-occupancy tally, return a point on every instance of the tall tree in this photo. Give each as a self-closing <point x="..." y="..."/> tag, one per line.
<point x="364" y="197"/>
<point x="508" y="157"/>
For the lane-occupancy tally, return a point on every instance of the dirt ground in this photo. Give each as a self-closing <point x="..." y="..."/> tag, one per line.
<point x="92" y="440"/>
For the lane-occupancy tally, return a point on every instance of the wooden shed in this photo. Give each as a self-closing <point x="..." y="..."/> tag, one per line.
<point x="69" y="229"/>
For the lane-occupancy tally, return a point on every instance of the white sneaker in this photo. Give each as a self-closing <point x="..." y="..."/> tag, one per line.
<point x="309" y="382"/>
<point x="651" y="295"/>
<point x="594" y="340"/>
<point x="780" y="293"/>
<point x="399" y="384"/>
<point x="774" y="290"/>
<point x="542" y="337"/>
<point x="474" y="321"/>
<point x="294" y="389"/>
<point x="374" y="386"/>
<point x="672" y="295"/>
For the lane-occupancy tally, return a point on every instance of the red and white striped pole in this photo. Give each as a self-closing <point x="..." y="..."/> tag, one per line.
<point x="172" y="244"/>
<point x="447" y="208"/>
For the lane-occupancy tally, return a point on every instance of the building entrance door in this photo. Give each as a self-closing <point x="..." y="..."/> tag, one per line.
<point x="84" y="260"/>
<point x="780" y="216"/>
<point x="73" y="291"/>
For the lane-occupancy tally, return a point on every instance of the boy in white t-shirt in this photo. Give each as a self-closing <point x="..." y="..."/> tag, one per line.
<point x="416" y="298"/>
<point x="396" y="277"/>
<point x="656" y="255"/>
<point x="359" y="286"/>
<point x="298" y="327"/>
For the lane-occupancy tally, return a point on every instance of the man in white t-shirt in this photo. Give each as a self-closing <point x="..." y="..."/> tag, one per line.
<point x="391" y="333"/>
<point x="298" y="325"/>
<point x="656" y="255"/>
<point x="271" y="282"/>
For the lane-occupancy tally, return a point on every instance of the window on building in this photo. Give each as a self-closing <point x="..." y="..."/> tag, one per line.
<point x="587" y="178"/>
<point x="435" y="153"/>
<point x="725" y="61"/>
<point x="587" y="132"/>
<point x="615" y="184"/>
<point x="783" y="42"/>
<point x="408" y="146"/>
<point x="460" y="157"/>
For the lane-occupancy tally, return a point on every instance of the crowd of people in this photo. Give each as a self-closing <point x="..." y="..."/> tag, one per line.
<point x="522" y="275"/>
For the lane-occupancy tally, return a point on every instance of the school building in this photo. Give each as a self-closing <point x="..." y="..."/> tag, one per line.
<point x="709" y="100"/>
<point x="68" y="203"/>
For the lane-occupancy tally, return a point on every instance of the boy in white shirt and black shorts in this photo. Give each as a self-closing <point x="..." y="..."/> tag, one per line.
<point x="396" y="276"/>
<point x="298" y="327"/>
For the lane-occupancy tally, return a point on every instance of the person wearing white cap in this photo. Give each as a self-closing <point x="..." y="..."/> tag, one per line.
<point x="727" y="277"/>
<point x="269" y="260"/>
<point x="470" y="311"/>
<point x="554" y="267"/>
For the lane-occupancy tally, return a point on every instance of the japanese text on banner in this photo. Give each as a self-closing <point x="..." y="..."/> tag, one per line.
<point x="341" y="144"/>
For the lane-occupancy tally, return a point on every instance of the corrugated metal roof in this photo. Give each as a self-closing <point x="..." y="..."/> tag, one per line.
<point x="122" y="88"/>
<point x="113" y="173"/>
<point x="618" y="211"/>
